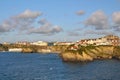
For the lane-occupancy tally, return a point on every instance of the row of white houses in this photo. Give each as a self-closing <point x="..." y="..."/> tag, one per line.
<point x="107" y="40"/>
<point x="37" y="43"/>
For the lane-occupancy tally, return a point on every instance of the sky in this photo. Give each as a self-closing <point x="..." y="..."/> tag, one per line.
<point x="58" y="20"/>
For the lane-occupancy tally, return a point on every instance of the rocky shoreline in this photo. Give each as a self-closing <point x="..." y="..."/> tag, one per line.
<point x="90" y="54"/>
<point x="82" y="53"/>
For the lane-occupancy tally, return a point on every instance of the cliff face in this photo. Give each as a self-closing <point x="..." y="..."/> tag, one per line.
<point x="89" y="54"/>
<point x="116" y="52"/>
<point x="27" y="50"/>
<point x="76" y="57"/>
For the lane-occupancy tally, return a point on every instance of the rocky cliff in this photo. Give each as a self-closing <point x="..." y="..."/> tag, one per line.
<point x="89" y="54"/>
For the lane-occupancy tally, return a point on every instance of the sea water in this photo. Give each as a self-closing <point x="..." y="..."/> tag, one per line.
<point x="36" y="66"/>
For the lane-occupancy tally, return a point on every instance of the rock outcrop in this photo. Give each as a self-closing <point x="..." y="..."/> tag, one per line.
<point x="76" y="57"/>
<point x="89" y="54"/>
<point x="27" y="50"/>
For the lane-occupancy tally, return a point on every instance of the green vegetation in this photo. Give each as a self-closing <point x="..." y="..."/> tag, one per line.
<point x="80" y="49"/>
<point x="90" y="52"/>
<point x="60" y="48"/>
<point x="3" y="47"/>
<point x="33" y="48"/>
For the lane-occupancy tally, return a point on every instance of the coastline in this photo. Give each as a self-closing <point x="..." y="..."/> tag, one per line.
<point x="68" y="54"/>
<point x="96" y="53"/>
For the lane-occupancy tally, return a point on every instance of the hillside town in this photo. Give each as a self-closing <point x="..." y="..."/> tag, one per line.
<point x="45" y="46"/>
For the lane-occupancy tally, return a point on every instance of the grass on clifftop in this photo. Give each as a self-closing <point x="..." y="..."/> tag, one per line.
<point x="80" y="49"/>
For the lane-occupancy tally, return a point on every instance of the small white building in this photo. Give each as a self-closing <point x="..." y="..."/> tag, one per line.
<point x="40" y="43"/>
<point x="22" y="43"/>
<point x="107" y="40"/>
<point x="15" y="50"/>
<point x="63" y="43"/>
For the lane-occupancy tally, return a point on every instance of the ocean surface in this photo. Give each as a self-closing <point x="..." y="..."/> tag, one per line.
<point x="36" y="66"/>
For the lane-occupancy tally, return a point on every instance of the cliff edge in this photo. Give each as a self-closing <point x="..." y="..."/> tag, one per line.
<point x="90" y="53"/>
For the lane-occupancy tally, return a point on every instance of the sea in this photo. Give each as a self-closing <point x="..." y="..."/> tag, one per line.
<point x="38" y="66"/>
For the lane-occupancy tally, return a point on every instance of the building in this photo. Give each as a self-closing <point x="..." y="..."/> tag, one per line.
<point x="15" y="50"/>
<point x="22" y="43"/>
<point x="40" y="43"/>
<point x="63" y="43"/>
<point x="107" y="40"/>
<point x="6" y="43"/>
<point x="113" y="40"/>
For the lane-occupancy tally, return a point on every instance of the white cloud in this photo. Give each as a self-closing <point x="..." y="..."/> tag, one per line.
<point x="98" y="20"/>
<point x="20" y="22"/>
<point x="46" y="28"/>
<point x="116" y="20"/>
<point x="43" y="21"/>
<point x="81" y="12"/>
<point x="29" y="14"/>
<point x="56" y="29"/>
<point x="6" y="26"/>
<point x="26" y="22"/>
<point x="116" y="17"/>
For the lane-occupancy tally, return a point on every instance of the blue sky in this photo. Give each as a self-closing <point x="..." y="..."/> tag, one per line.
<point x="58" y="20"/>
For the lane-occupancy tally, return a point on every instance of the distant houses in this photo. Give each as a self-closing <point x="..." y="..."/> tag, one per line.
<point x="40" y="43"/>
<point x="37" y="43"/>
<point x="41" y="46"/>
<point x="106" y="40"/>
<point x="22" y="43"/>
<point x="63" y="43"/>
<point x="15" y="50"/>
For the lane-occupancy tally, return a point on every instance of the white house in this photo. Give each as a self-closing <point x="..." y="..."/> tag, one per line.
<point x="40" y="43"/>
<point x="15" y="50"/>
<point x="63" y="43"/>
<point x="107" y="40"/>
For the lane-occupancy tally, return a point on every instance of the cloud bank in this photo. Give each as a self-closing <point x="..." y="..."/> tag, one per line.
<point x="27" y="22"/>
<point x="116" y="20"/>
<point x="98" y="23"/>
<point x="45" y="28"/>
<point x="98" y="20"/>
<point x="29" y="14"/>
